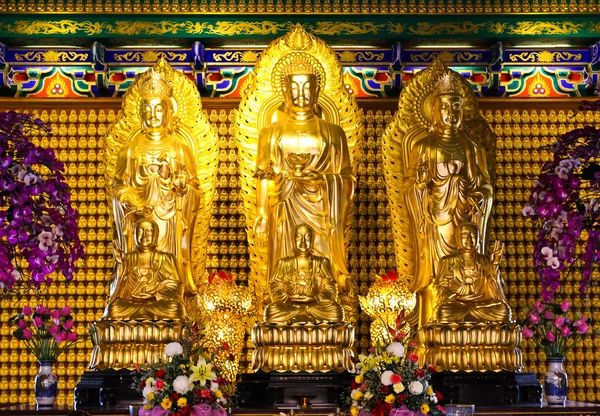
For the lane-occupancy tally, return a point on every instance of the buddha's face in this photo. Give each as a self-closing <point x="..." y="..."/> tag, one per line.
<point x="301" y="92"/>
<point x="467" y="238"/>
<point x="154" y="113"/>
<point x="304" y="239"/>
<point x="448" y="112"/>
<point x="145" y="234"/>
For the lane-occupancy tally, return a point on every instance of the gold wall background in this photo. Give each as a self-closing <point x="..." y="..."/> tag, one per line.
<point x="523" y="128"/>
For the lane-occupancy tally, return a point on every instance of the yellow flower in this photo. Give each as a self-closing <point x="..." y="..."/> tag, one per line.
<point x="390" y="398"/>
<point x="354" y="411"/>
<point x="150" y="396"/>
<point x="359" y="378"/>
<point x="181" y="402"/>
<point x="166" y="403"/>
<point x="429" y="390"/>
<point x="424" y="408"/>
<point x="357" y="395"/>
<point x="398" y="387"/>
<point x="218" y="394"/>
<point x="202" y="371"/>
<point x="182" y="366"/>
<point x="148" y="406"/>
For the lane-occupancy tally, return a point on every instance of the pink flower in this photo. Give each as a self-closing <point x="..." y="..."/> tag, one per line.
<point x="583" y="329"/>
<point x="539" y="306"/>
<point x="68" y="324"/>
<point x="527" y="332"/>
<point x="579" y="322"/>
<point x="565" y="306"/>
<point x="548" y="315"/>
<point x="37" y="322"/>
<point x="22" y="324"/>
<point x="27" y="311"/>
<point x="72" y="336"/>
<point x="159" y="384"/>
<point x="27" y="334"/>
<point x="42" y="310"/>
<point x="66" y="311"/>
<point x="534" y="318"/>
<point x="60" y="337"/>
<point x="53" y="330"/>
<point x="550" y="336"/>
<point x="55" y="314"/>
<point x="566" y="331"/>
<point x="559" y="322"/>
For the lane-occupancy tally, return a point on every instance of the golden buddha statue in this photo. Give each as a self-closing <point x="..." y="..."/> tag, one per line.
<point x="303" y="170"/>
<point x="160" y="165"/>
<point x="302" y="287"/>
<point x="447" y="184"/>
<point x="467" y="285"/>
<point x="148" y="284"/>
<point x="155" y="177"/>
<point x="298" y="133"/>
<point x="297" y="154"/>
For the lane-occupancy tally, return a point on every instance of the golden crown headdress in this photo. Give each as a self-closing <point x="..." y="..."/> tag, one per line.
<point x="448" y="85"/>
<point x="296" y="63"/>
<point x="156" y="86"/>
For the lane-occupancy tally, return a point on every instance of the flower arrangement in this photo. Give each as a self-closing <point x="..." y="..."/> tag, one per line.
<point x="390" y="381"/>
<point x="566" y="202"/>
<point x="549" y="326"/>
<point x="182" y="385"/>
<point x="37" y="222"/>
<point x="46" y="334"/>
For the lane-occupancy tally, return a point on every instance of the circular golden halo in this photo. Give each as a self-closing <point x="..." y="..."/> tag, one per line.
<point x="277" y="78"/>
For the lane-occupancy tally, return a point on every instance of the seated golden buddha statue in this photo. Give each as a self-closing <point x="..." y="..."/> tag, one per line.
<point x="467" y="286"/>
<point x="302" y="287"/>
<point x="148" y="284"/>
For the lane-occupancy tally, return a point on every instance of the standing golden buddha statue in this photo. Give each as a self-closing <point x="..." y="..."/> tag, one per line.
<point x="438" y="167"/>
<point x="161" y="160"/>
<point x="298" y="179"/>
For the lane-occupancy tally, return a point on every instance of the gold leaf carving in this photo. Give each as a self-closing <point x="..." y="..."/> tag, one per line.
<point x="58" y="27"/>
<point x="51" y="56"/>
<point x="544" y="56"/>
<point x="349" y="56"/>
<point x="446" y="56"/>
<point x="148" y="28"/>
<point x="245" y="57"/>
<point x="447" y="28"/>
<point x="149" y="56"/>
<point x="245" y="28"/>
<point x="546" y="28"/>
<point x="345" y="28"/>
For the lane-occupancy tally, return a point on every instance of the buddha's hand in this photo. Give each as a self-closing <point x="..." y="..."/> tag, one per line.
<point x="308" y="176"/>
<point x="259" y="230"/>
<point x="301" y="298"/>
<point x="180" y="180"/>
<point x="497" y="252"/>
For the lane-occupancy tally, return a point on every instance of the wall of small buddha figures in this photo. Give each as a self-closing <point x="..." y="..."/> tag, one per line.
<point x="523" y="129"/>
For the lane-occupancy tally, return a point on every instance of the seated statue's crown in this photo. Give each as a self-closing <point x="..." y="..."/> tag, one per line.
<point x="448" y="85"/>
<point x="156" y="86"/>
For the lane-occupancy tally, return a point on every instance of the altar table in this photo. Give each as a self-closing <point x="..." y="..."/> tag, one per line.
<point x="572" y="408"/>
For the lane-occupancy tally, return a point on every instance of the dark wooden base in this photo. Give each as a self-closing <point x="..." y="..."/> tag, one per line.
<point x="106" y="388"/>
<point x="489" y="388"/>
<point x="283" y="391"/>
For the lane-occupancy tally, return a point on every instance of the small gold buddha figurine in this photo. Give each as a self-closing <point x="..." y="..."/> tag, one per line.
<point x="147" y="284"/>
<point x="467" y="284"/>
<point x="303" y="288"/>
